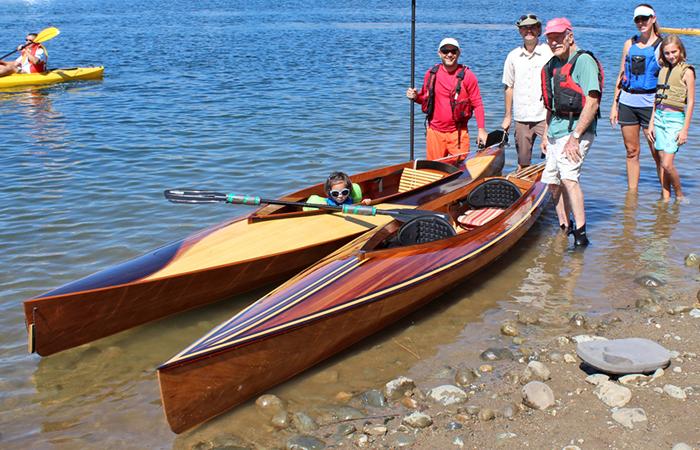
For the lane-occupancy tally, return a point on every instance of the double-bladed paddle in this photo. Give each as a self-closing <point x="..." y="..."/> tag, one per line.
<point x="42" y="36"/>
<point x="197" y="196"/>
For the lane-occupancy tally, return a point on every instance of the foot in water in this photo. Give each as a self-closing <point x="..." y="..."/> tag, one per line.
<point x="567" y="229"/>
<point x="580" y="238"/>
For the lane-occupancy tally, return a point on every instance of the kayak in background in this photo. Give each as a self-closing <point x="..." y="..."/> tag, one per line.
<point x="51" y="77"/>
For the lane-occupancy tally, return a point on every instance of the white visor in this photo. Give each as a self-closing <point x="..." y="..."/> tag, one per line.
<point x="643" y="11"/>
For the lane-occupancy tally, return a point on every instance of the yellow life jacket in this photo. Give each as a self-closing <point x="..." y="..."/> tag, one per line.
<point x="673" y="91"/>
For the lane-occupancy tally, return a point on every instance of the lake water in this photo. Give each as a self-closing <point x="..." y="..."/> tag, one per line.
<point x="265" y="97"/>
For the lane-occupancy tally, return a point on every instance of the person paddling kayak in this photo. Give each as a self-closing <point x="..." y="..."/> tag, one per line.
<point x="33" y="58"/>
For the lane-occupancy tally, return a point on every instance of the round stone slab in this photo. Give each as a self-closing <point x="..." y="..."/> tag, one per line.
<point x="622" y="356"/>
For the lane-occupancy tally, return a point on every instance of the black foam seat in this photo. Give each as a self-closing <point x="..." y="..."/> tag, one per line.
<point x="424" y="229"/>
<point x="495" y="193"/>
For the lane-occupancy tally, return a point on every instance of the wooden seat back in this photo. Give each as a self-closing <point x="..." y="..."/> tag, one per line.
<point x="412" y="179"/>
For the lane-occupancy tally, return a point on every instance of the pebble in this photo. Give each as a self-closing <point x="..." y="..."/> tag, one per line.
<point x="375" y="430"/>
<point x="417" y="420"/>
<point x="362" y="441"/>
<point x="458" y="441"/>
<point x="537" y="395"/>
<point x="518" y="340"/>
<point x="658" y="373"/>
<point x="269" y="405"/>
<point x="303" y="422"/>
<point x="509" y="329"/>
<point x="677" y="370"/>
<point x="280" y="420"/>
<point x="409" y="402"/>
<point x="613" y="394"/>
<point x="569" y="358"/>
<point x="496" y="354"/>
<point x="675" y="392"/>
<point x="627" y="417"/>
<point x="454" y="426"/>
<point x="681" y="446"/>
<point x="634" y="379"/>
<point x="510" y="411"/>
<point x="484" y="368"/>
<point x="373" y="398"/>
<point x="648" y="281"/>
<point x="587" y="338"/>
<point x="465" y="377"/>
<point x="345" y="429"/>
<point x="447" y="395"/>
<point x="305" y="442"/>
<point x="571" y="447"/>
<point x="563" y="341"/>
<point x="691" y="260"/>
<point x="528" y="318"/>
<point x="538" y="371"/>
<point x="397" y="388"/>
<point x="343" y="397"/>
<point x="597" y="378"/>
<point x="486" y="414"/>
<point x="695" y="312"/>
<point x="648" y="305"/>
<point x="506" y="435"/>
<point x="404" y="440"/>
<point x="578" y="320"/>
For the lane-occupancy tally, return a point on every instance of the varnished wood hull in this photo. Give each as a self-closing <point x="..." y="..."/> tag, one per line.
<point x="329" y="306"/>
<point x="207" y="267"/>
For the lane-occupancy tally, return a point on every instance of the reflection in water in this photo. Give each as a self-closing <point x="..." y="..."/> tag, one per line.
<point x="41" y="121"/>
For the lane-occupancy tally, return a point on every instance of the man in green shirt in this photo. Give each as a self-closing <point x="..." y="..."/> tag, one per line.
<point x="572" y="103"/>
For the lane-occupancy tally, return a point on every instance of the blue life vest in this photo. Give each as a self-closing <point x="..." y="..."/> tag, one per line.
<point x="641" y="69"/>
<point x="331" y="202"/>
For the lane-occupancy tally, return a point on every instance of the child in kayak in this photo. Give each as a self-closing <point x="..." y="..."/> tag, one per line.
<point x="339" y="191"/>
<point x="673" y="111"/>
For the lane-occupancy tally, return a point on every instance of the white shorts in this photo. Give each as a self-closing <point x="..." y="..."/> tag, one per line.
<point x="558" y="166"/>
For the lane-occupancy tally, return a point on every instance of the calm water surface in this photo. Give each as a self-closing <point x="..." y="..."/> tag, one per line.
<point x="265" y="97"/>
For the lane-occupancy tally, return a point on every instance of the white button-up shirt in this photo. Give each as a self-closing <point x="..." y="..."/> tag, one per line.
<point x="522" y="72"/>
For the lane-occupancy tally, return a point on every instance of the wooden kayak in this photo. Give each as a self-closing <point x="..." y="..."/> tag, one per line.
<point x="245" y="253"/>
<point x="51" y="77"/>
<point x="359" y="289"/>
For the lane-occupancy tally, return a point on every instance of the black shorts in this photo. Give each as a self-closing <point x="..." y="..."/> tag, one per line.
<point x="629" y="115"/>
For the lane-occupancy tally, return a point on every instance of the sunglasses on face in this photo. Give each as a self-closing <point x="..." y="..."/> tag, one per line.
<point x="447" y="51"/>
<point x="641" y="19"/>
<point x="343" y="192"/>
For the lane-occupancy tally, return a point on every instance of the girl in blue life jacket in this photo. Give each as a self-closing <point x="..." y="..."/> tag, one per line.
<point x="635" y="88"/>
<point x="673" y="112"/>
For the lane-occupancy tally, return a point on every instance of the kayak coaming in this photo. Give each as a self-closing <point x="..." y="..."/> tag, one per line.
<point x="52" y="76"/>
<point x="144" y="289"/>
<point x="326" y="308"/>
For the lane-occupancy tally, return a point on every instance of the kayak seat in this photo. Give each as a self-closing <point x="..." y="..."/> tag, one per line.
<point x="473" y="218"/>
<point x="495" y="193"/>
<point x="412" y="179"/>
<point x="424" y="229"/>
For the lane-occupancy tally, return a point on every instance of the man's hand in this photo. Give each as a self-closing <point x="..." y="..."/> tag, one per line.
<point x="507" y="120"/>
<point x="482" y="136"/>
<point x="411" y="93"/>
<point x="571" y="149"/>
<point x="544" y="142"/>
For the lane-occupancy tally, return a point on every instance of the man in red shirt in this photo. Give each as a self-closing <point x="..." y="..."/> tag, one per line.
<point x="450" y="96"/>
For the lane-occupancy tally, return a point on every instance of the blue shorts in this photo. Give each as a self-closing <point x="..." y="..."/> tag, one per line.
<point x="667" y="125"/>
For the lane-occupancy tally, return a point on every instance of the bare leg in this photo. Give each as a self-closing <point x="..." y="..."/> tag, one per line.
<point x="630" y="135"/>
<point x="560" y="205"/>
<point x="7" y="68"/>
<point x="574" y="194"/>
<point x="671" y="177"/>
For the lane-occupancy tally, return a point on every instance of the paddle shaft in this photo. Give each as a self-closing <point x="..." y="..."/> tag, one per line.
<point x="413" y="75"/>
<point x="691" y="31"/>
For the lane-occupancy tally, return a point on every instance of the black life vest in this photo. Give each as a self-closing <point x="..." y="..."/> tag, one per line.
<point x="560" y="93"/>
<point x="459" y="101"/>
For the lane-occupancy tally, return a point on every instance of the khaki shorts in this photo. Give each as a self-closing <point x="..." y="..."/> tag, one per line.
<point x="525" y="133"/>
<point x="558" y="166"/>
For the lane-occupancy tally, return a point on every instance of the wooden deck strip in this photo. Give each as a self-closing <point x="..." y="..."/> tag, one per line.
<point x="243" y="241"/>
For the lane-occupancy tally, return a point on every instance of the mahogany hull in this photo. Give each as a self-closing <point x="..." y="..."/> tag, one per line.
<point x="159" y="284"/>
<point x="328" y="307"/>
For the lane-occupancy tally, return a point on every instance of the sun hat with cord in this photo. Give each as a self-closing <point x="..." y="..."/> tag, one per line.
<point x="528" y="19"/>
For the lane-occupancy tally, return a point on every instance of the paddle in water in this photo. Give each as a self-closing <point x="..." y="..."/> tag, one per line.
<point x="198" y="196"/>
<point x="42" y="36"/>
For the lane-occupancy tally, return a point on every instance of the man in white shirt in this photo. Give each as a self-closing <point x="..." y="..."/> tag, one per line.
<point x="523" y="88"/>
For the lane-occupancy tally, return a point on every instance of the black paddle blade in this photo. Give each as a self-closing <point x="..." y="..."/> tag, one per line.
<point x="496" y="137"/>
<point x="193" y="196"/>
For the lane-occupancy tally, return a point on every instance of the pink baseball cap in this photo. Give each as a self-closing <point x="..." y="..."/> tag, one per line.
<point x="558" y="25"/>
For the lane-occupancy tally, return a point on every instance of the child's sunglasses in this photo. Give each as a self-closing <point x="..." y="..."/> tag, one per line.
<point x="335" y="193"/>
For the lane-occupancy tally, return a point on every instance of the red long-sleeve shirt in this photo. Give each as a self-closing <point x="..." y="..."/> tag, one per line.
<point x="445" y="83"/>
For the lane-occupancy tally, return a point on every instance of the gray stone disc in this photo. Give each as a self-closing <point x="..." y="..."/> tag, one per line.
<point x="623" y="356"/>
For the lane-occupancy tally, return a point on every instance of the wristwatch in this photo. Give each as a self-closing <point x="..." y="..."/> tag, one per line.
<point x="576" y="135"/>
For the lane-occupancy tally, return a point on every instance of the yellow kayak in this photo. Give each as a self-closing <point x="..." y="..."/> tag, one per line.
<point x="51" y="77"/>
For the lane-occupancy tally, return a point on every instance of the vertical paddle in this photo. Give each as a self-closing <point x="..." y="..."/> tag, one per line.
<point x="413" y="67"/>
<point x="42" y="36"/>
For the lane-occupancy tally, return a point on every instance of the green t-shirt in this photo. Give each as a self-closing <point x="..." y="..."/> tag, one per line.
<point x="585" y="74"/>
